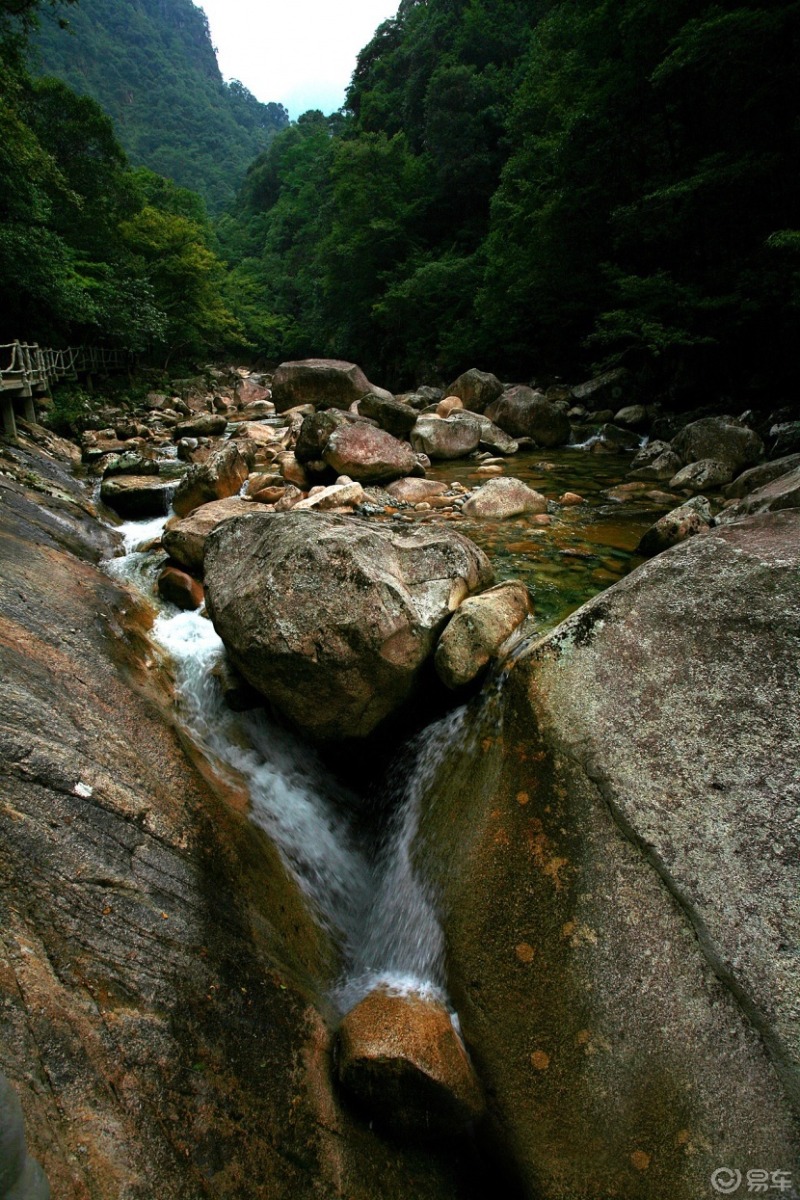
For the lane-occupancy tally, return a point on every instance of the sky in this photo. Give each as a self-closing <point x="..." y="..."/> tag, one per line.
<point x="300" y="53"/>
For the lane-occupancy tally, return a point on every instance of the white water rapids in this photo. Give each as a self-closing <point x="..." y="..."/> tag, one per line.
<point x="371" y="898"/>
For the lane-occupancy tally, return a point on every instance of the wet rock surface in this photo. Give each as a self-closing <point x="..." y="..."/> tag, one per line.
<point x="477" y="630"/>
<point x="323" y="382"/>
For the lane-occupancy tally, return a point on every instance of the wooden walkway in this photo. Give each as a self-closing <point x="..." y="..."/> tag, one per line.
<point x="31" y="371"/>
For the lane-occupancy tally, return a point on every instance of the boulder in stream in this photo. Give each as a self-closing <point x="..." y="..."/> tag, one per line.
<point x="368" y="454"/>
<point x="221" y="475"/>
<point x="477" y="630"/>
<point x="676" y="526"/>
<point x="184" y="538"/>
<point x="498" y="499"/>
<point x="323" y="382"/>
<point x="522" y="412"/>
<point x="137" y="496"/>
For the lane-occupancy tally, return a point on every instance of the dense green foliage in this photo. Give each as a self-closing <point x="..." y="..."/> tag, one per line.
<point x="150" y="64"/>
<point x="90" y="250"/>
<point x="540" y="186"/>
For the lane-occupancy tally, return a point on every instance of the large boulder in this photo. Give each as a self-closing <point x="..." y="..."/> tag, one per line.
<point x="221" y="475"/>
<point x="332" y="618"/>
<point x="323" y="382"/>
<point x="401" y="1060"/>
<point x="615" y="844"/>
<point x="493" y="438"/>
<point x="676" y="526"/>
<point x="368" y="454"/>
<point x="392" y="415"/>
<point x="137" y="495"/>
<point x="498" y="499"/>
<point x="604" y="391"/>
<point x="704" y="475"/>
<point x="184" y="538"/>
<point x="756" y="477"/>
<point x="780" y="493"/>
<point x="476" y="389"/>
<point x="521" y="412"/>
<point x="315" y="430"/>
<point x="477" y="630"/>
<point x="446" y="437"/>
<point x="724" y="439"/>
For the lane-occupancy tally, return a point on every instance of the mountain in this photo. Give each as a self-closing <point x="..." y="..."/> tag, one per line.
<point x="151" y="65"/>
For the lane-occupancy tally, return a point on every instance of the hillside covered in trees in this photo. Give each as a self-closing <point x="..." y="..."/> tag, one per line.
<point x="151" y="66"/>
<point x="541" y="187"/>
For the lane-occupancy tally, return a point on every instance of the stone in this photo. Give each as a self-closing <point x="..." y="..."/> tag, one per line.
<point x="137" y="495"/>
<point x="784" y="438"/>
<point x="184" y="538"/>
<point x="604" y="391"/>
<point x="756" y="477"/>
<point x="315" y="430"/>
<point x="476" y="631"/>
<point x="445" y="438"/>
<point x="521" y="412"/>
<point x="660" y="469"/>
<point x="291" y="496"/>
<point x="338" y="495"/>
<point x="650" y="452"/>
<point x="129" y="464"/>
<point x="690" y="518"/>
<point x="293" y="472"/>
<point x="220" y="476"/>
<point x="394" y="416"/>
<point x="614" y="848"/>
<point x="201" y="425"/>
<point x="477" y="389"/>
<point x="132" y="429"/>
<point x="448" y="405"/>
<point x="780" y="493"/>
<point x="401" y="1060"/>
<point x="178" y="588"/>
<point x="724" y="439"/>
<point x="368" y="454"/>
<point x="414" y="491"/>
<point x="633" y="416"/>
<point x="323" y="382"/>
<point x="493" y="438"/>
<point x="498" y="499"/>
<point x="571" y="500"/>
<point x="21" y="1177"/>
<point x="704" y="475"/>
<point x="336" y="609"/>
<point x="266" y="435"/>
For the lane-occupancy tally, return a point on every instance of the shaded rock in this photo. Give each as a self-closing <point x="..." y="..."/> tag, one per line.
<point x="620" y="900"/>
<point x="477" y="389"/>
<point x="401" y="1059"/>
<point x="784" y="439"/>
<point x="521" y="412"/>
<point x="724" y="439"/>
<point x="690" y="518"/>
<point x="129" y="464"/>
<point x="706" y="474"/>
<point x="178" y="588"/>
<point x="335" y="609"/>
<point x="649" y="453"/>
<point x="338" y="495"/>
<point x="132" y="429"/>
<point x="756" y="477"/>
<point x="220" y="476"/>
<point x="367" y="454"/>
<point x="500" y="498"/>
<point x="323" y="382"/>
<point x="448" y="405"/>
<point x="780" y="493"/>
<point x="617" y="438"/>
<point x="660" y="469"/>
<point x="291" y="496"/>
<point x="21" y="1178"/>
<point x="477" y="630"/>
<point x="633" y="416"/>
<point x="604" y="391"/>
<point x="414" y="491"/>
<point x="293" y="472"/>
<point x="315" y="430"/>
<point x="493" y="438"/>
<point x="184" y="538"/>
<point x="202" y="425"/>
<point x="394" y="416"/>
<point x="187" y="448"/>
<point x="445" y="438"/>
<point x="238" y="694"/>
<point x="137" y="495"/>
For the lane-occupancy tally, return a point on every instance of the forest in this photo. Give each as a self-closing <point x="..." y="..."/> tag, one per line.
<point x="543" y="188"/>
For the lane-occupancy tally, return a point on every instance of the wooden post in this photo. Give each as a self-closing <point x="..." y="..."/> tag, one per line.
<point x="9" y="420"/>
<point x="28" y="408"/>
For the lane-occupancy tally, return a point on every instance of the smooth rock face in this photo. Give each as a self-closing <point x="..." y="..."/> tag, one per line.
<point x="501" y="498"/>
<point x="477" y="389"/>
<point x="368" y="455"/>
<point x="521" y="412"/>
<point x="415" y="491"/>
<point x="676" y="526"/>
<point x="477" y="630"/>
<point x="621" y="900"/>
<point x="704" y="475"/>
<point x="401" y="1059"/>
<point x="184" y="538"/>
<point x="136" y="495"/>
<point x="756" y="477"/>
<point x="724" y="439"/>
<point x="396" y="418"/>
<point x="323" y="382"/>
<point x="445" y="438"/>
<point x="220" y="476"/>
<point x="783" y="492"/>
<point x="332" y="618"/>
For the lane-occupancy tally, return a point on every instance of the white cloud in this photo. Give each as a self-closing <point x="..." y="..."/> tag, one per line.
<point x="300" y="53"/>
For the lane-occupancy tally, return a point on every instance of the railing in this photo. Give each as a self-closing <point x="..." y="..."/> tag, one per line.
<point x="33" y="368"/>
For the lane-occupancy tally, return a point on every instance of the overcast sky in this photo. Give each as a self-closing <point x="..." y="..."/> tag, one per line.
<point x="300" y="53"/>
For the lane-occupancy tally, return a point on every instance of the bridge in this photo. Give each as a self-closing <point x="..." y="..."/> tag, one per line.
<point x="32" y="370"/>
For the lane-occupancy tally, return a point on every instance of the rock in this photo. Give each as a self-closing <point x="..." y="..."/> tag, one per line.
<point x="784" y="439"/>
<point x="137" y="495"/>
<point x="21" y="1178"/>
<point x="315" y="430"/>
<point x="129" y="464"/>
<point x="477" y="389"/>
<point x="394" y="416"/>
<point x="335" y="609"/>
<point x="401" y="1059"/>
<point x="571" y="500"/>
<point x="692" y="517"/>
<point x="187" y="448"/>
<point x="293" y="471"/>
<point x="184" y="538"/>
<point x="498" y="499"/>
<point x="179" y="589"/>
<point x="338" y="495"/>
<point x="521" y="412"/>
<point x="448" y="405"/>
<point x="202" y="425"/>
<point x="614" y="848"/>
<point x="781" y="493"/>
<point x="704" y="475"/>
<point x="724" y="439"/>
<point x="220" y="476"/>
<point x="604" y="391"/>
<point x="266" y="435"/>
<point x="756" y="477"/>
<point x="445" y="438"/>
<point x="493" y="438"/>
<point x="323" y="382"/>
<point x="291" y="496"/>
<point x="237" y="693"/>
<point x="414" y="491"/>
<point x="367" y="454"/>
<point x="660" y="469"/>
<point x="477" y="630"/>
<point x="649" y="453"/>
<point x="132" y="429"/>
<point x="634" y="416"/>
